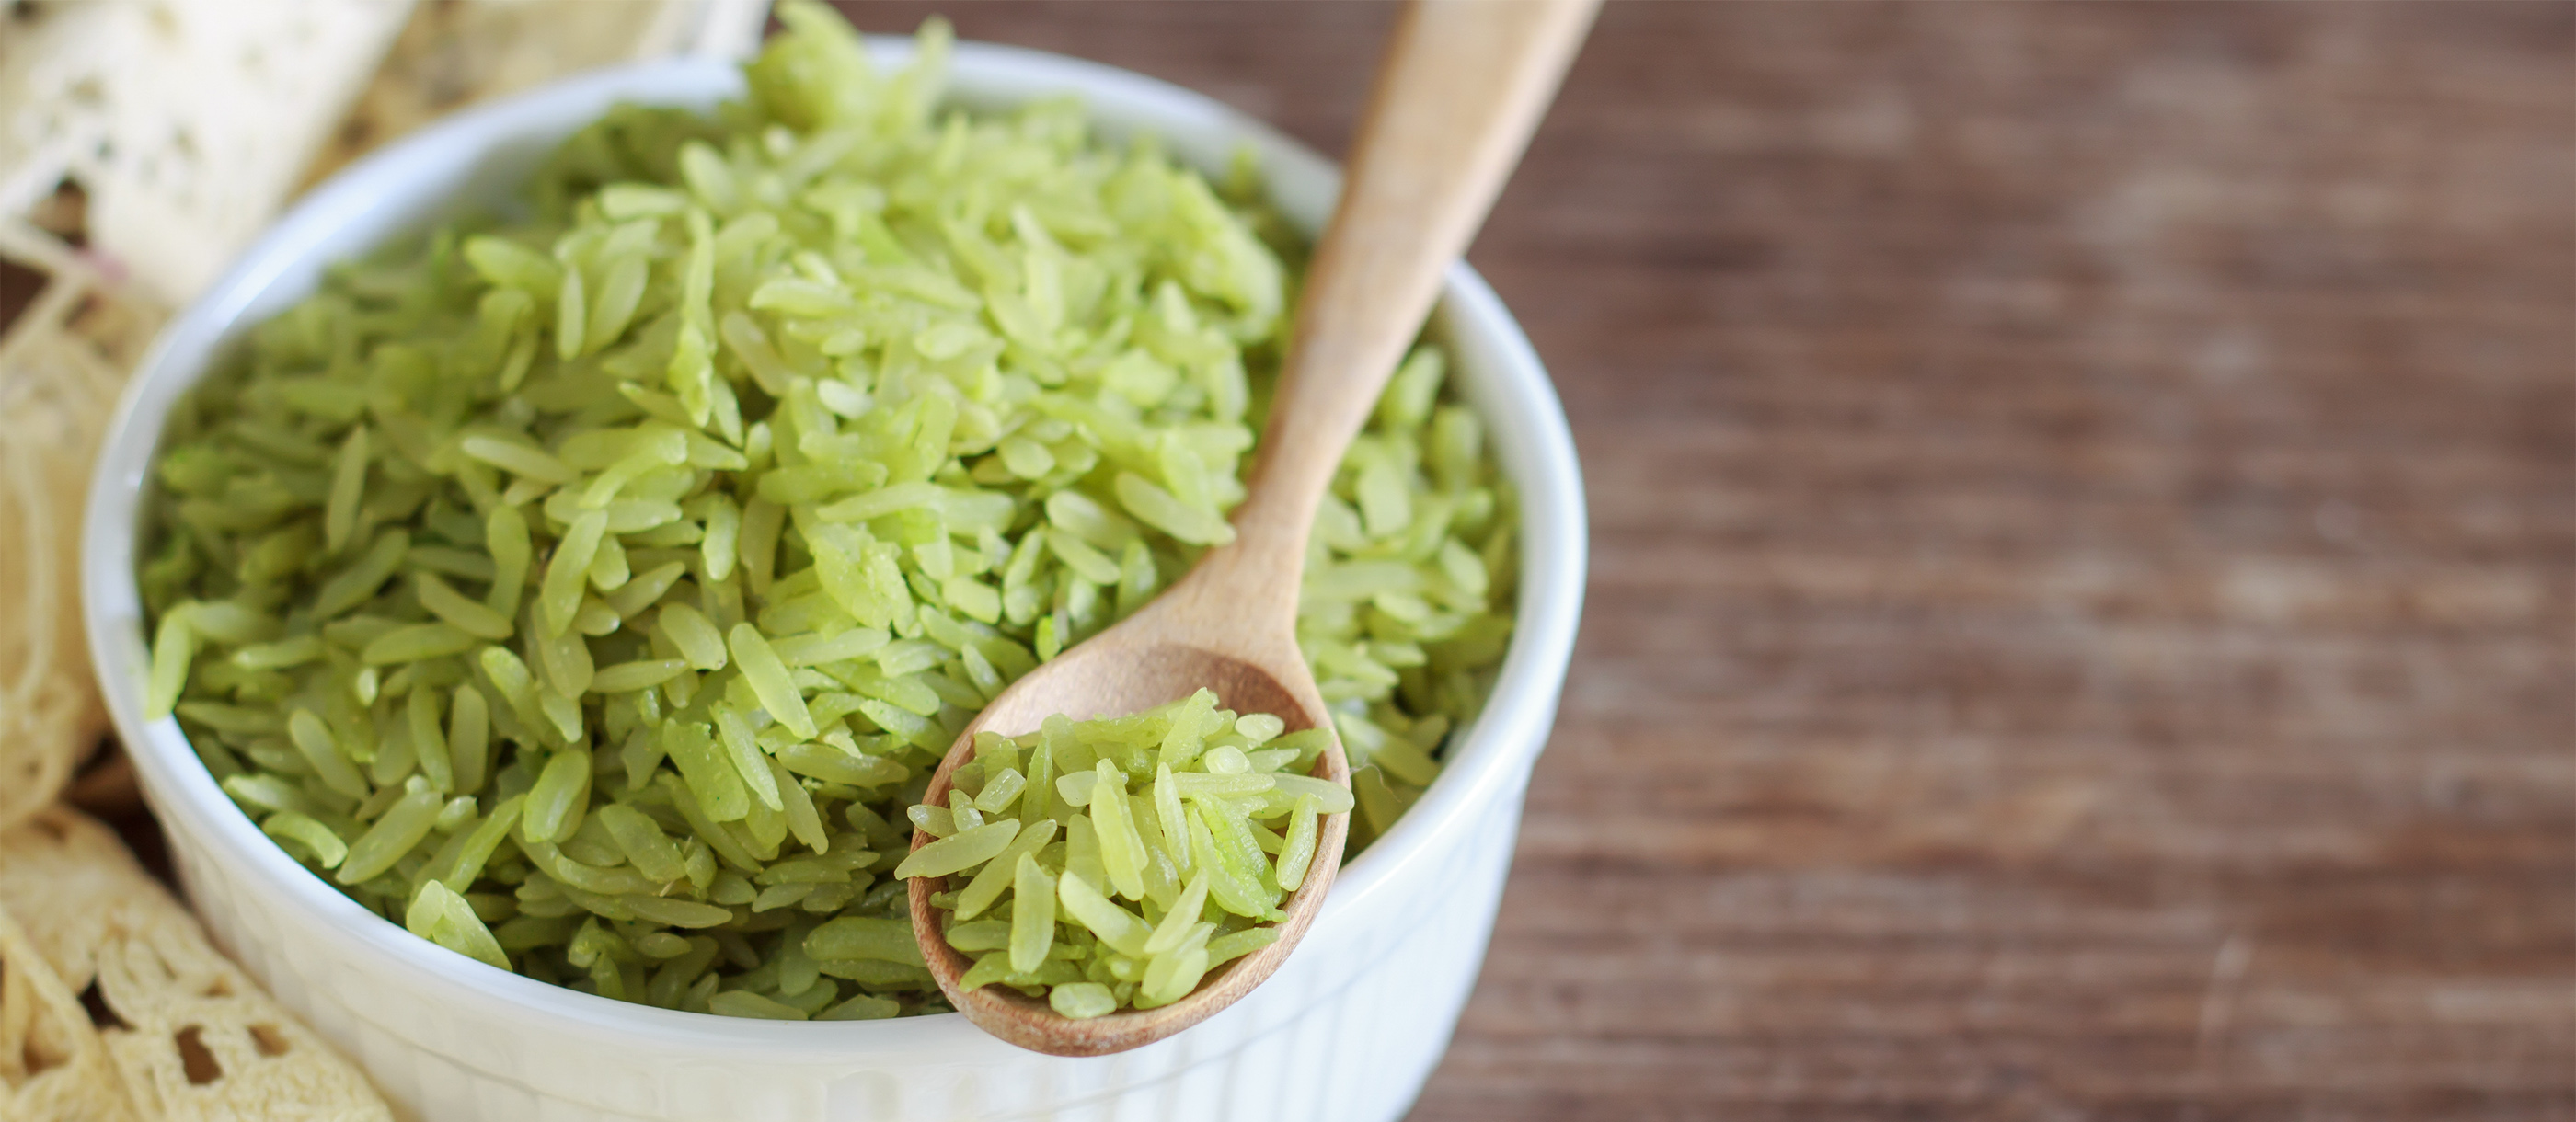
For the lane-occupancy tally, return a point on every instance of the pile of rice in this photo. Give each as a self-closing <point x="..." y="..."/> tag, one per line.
<point x="1204" y="818"/>
<point x="594" y="590"/>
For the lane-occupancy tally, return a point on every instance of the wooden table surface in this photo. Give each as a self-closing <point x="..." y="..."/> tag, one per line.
<point x="2083" y="505"/>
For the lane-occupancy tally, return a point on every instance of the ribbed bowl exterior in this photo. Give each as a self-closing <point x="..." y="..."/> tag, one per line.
<point x="1347" y="1030"/>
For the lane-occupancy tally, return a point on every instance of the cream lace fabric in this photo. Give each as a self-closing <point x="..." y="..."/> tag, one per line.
<point x="143" y="143"/>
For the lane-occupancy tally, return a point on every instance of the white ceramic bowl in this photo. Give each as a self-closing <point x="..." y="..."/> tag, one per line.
<point x="1347" y="1030"/>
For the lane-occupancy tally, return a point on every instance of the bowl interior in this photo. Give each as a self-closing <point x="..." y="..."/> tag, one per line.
<point x="477" y="160"/>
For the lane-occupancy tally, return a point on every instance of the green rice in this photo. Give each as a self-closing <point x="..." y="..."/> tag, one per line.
<point x="593" y="590"/>
<point x="1202" y="820"/>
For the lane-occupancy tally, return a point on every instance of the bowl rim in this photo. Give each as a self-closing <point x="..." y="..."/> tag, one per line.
<point x="1495" y="751"/>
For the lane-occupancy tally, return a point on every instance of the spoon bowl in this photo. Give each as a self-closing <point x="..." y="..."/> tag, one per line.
<point x="1151" y="658"/>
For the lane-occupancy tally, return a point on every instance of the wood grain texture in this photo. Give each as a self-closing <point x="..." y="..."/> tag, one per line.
<point x="1462" y="85"/>
<point x="2084" y="505"/>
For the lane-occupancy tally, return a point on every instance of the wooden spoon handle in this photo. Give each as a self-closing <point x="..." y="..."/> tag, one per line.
<point x="1463" y="84"/>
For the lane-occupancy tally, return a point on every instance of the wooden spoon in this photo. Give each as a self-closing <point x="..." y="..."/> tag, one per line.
<point x="1462" y="85"/>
